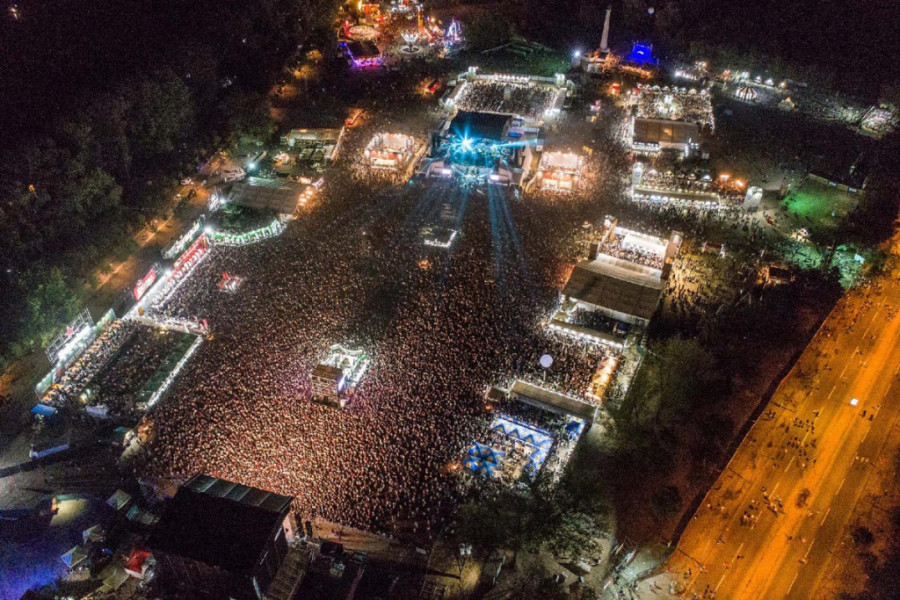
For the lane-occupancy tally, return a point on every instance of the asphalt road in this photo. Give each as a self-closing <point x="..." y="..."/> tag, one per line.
<point x="769" y="525"/>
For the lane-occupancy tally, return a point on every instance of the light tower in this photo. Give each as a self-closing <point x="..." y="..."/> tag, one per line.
<point x="604" y="39"/>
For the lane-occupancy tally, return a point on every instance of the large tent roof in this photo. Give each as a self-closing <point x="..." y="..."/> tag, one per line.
<point x="655" y="131"/>
<point x="363" y="49"/>
<point x="119" y="499"/>
<point x="479" y="125"/>
<point x="220" y="523"/>
<point x="551" y="401"/>
<point x="617" y="285"/>
<point x="74" y="557"/>
<point x="267" y="194"/>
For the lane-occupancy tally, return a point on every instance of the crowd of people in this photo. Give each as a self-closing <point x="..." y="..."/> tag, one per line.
<point x="514" y="98"/>
<point x="596" y="320"/>
<point x="631" y="253"/>
<point x="117" y="385"/>
<point x="576" y="362"/>
<point x="676" y="182"/>
<point x="880" y="121"/>
<point x="653" y="102"/>
<point x="350" y="272"/>
<point x="82" y="371"/>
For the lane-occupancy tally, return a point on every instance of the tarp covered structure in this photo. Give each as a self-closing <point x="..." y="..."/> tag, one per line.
<point x="625" y="290"/>
<point x="92" y="534"/>
<point x="74" y="557"/>
<point x="483" y="459"/>
<point x="137" y="564"/>
<point x="42" y="410"/>
<point x="523" y="433"/>
<point x="113" y="578"/>
<point x="119" y="500"/>
<point x="480" y="126"/>
<point x="574" y="428"/>
<point x="277" y="195"/>
<point x="663" y="131"/>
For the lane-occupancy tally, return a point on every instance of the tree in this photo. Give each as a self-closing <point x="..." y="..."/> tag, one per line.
<point x="487" y="32"/>
<point x="862" y="536"/>
<point x="514" y="520"/>
<point x="49" y="304"/>
<point x="577" y="535"/>
<point x="249" y="117"/>
<point x="160" y="114"/>
<point x="666" y="502"/>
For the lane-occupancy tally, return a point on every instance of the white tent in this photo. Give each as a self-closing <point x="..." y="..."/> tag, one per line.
<point x="113" y="577"/>
<point x="119" y="499"/>
<point x="74" y="557"/>
<point x="92" y="534"/>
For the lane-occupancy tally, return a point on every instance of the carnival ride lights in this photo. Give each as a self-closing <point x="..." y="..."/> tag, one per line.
<point x="410" y="37"/>
<point x="453" y="35"/>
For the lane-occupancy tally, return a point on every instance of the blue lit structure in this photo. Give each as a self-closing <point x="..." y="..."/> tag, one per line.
<point x="363" y="53"/>
<point x="642" y="54"/>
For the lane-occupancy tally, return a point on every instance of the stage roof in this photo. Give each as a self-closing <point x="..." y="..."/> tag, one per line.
<point x="220" y="523"/>
<point x="560" y="160"/>
<point x="479" y="125"/>
<point x="617" y="285"/>
<point x="327" y="372"/>
<point x="551" y="401"/>
<point x="363" y="49"/>
<point x="315" y="134"/>
<point x="655" y="131"/>
<point x="267" y="194"/>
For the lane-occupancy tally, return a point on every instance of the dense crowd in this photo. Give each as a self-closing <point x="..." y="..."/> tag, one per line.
<point x="670" y="181"/>
<point x="575" y="364"/>
<point x="597" y="321"/>
<point x="82" y="371"/>
<point x="513" y="98"/>
<point x="351" y="272"/>
<point x="880" y="121"/>
<point x="118" y="384"/>
<point x="673" y="104"/>
<point x="633" y="254"/>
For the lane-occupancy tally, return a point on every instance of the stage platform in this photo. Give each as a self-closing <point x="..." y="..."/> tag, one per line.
<point x="552" y="401"/>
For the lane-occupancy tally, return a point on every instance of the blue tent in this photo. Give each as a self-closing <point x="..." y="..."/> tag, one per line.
<point x="42" y="410"/>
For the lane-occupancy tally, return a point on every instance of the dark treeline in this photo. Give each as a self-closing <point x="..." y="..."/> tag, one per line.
<point x="103" y="105"/>
<point x="851" y="46"/>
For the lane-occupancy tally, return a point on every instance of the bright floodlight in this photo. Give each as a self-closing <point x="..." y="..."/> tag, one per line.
<point x="577" y="54"/>
<point x="467" y="143"/>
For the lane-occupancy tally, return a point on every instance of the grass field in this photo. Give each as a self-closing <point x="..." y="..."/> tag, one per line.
<point x="818" y="207"/>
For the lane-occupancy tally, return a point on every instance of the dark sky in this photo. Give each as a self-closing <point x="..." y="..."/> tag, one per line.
<point x="63" y="50"/>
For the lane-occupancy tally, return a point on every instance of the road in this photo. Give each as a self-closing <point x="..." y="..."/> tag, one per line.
<point x="769" y="525"/>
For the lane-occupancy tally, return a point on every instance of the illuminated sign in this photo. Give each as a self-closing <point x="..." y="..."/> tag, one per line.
<point x="183" y="241"/>
<point x="144" y="284"/>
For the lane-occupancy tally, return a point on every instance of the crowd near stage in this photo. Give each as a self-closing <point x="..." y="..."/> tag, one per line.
<point x="243" y="410"/>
